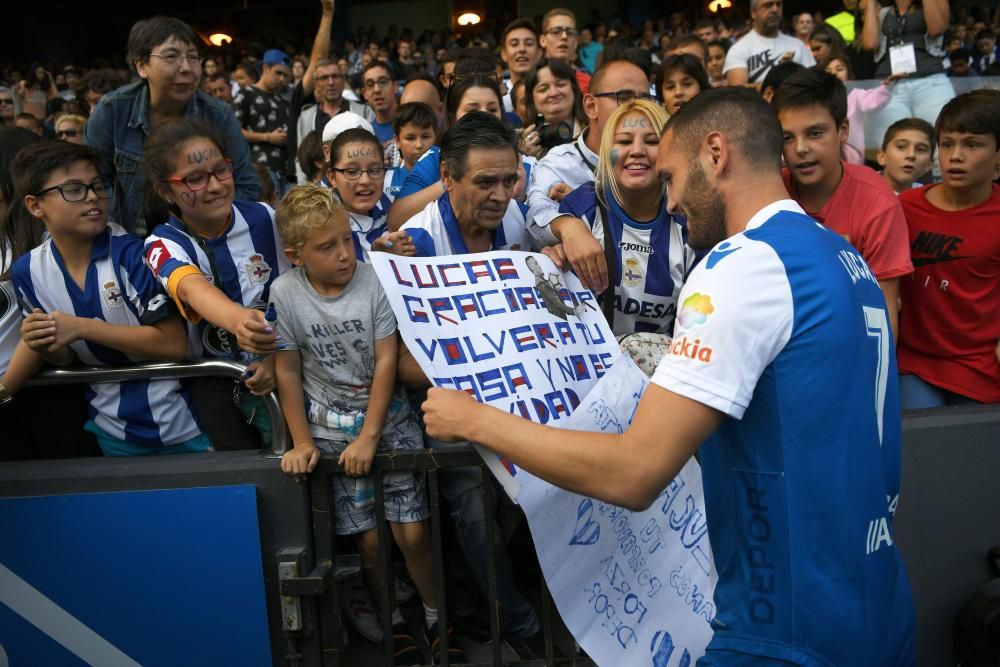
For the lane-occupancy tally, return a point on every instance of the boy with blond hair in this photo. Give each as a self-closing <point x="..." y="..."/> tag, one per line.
<point x="336" y="377"/>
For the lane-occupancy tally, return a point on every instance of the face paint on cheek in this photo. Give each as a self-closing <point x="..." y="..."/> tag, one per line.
<point x="189" y="197"/>
<point x="614" y="156"/>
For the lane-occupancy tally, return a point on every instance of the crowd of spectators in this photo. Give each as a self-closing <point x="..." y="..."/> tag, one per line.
<point x="155" y="211"/>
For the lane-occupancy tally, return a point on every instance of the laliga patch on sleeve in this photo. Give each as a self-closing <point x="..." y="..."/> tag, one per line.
<point x="156" y="256"/>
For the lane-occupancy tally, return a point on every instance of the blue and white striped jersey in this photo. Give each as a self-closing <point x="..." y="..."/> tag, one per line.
<point x="435" y="230"/>
<point x="653" y="260"/>
<point x="119" y="290"/>
<point x="367" y="228"/>
<point x="242" y="262"/>
<point x="783" y="329"/>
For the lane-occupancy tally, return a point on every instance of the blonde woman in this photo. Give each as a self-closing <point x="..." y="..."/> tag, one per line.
<point x="69" y="127"/>
<point x="646" y="256"/>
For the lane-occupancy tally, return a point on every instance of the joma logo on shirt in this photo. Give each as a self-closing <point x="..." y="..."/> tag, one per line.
<point x="636" y="247"/>
<point x="683" y="347"/>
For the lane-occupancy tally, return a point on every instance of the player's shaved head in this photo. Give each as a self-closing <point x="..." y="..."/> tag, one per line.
<point x="741" y="114"/>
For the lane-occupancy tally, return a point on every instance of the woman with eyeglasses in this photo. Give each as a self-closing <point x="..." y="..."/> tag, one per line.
<point x="357" y="173"/>
<point x="69" y="127"/>
<point x="552" y="92"/>
<point x="624" y="209"/>
<point x="216" y="256"/>
<point x="468" y="92"/>
<point x="163" y="51"/>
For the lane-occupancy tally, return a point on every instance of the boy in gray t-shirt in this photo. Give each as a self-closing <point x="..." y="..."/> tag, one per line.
<point x="336" y="378"/>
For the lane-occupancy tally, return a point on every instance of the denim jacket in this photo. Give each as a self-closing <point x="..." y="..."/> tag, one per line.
<point x="118" y="128"/>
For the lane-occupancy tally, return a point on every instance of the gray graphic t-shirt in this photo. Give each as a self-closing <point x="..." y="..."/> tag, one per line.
<point x="335" y="337"/>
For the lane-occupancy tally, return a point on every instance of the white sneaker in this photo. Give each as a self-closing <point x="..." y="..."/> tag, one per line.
<point x="358" y="607"/>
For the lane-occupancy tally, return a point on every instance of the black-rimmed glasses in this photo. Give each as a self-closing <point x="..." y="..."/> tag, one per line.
<point x="173" y="58"/>
<point x="560" y="31"/>
<point x="199" y="179"/>
<point x="353" y="173"/>
<point x="623" y="96"/>
<point x="74" y="192"/>
<point x="381" y="82"/>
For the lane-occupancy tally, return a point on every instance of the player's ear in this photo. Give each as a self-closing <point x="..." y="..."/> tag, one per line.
<point x="715" y="153"/>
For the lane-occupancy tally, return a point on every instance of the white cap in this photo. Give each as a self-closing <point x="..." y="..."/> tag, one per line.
<point x="347" y="120"/>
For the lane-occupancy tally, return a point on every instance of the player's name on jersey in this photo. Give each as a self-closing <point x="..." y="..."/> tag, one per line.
<point x="855" y="266"/>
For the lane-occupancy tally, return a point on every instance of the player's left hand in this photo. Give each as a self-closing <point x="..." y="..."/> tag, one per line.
<point x="448" y="414"/>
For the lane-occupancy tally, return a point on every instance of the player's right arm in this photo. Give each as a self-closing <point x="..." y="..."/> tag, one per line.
<point x="635" y="466"/>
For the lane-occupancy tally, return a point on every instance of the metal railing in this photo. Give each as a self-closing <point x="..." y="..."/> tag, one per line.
<point x="316" y="586"/>
<point x="169" y="371"/>
<point x="329" y="567"/>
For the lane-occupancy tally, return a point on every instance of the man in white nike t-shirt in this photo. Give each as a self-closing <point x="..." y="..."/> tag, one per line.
<point x="752" y="57"/>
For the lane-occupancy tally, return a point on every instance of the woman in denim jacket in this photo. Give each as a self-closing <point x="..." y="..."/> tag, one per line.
<point x="162" y="51"/>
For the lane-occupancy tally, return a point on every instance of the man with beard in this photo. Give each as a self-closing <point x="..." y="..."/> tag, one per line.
<point x="752" y="57"/>
<point x="781" y="315"/>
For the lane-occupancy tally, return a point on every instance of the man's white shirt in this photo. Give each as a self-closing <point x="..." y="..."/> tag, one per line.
<point x="757" y="54"/>
<point x="573" y="164"/>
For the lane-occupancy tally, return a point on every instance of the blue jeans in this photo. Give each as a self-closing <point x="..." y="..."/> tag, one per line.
<point x="916" y="393"/>
<point x="462" y="488"/>
<point x="920" y="98"/>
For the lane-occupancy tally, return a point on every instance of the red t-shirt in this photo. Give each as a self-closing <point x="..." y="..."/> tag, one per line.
<point x="950" y="321"/>
<point x="866" y="212"/>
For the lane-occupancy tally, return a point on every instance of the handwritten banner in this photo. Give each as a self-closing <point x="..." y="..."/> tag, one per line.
<point x="507" y="327"/>
<point x="634" y="588"/>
